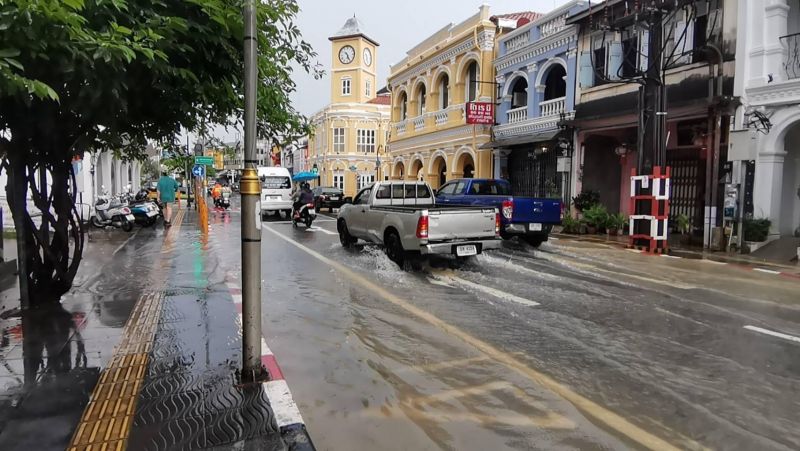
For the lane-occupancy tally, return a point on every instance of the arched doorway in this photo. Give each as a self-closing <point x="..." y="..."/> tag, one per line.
<point x="555" y="84"/>
<point x="399" y="171"/>
<point x="519" y="93"/>
<point x="439" y="170"/>
<point x="471" y="82"/>
<point x="444" y="91"/>
<point x="416" y="170"/>
<point x="789" y="219"/>
<point x="466" y="165"/>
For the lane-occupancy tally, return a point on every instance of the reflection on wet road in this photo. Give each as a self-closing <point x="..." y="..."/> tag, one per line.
<point x="560" y="348"/>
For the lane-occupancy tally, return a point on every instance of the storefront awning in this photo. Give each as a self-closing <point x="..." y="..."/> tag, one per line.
<point x="526" y="139"/>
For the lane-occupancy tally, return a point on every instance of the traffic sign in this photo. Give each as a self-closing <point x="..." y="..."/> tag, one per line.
<point x="199" y="171"/>
<point x="204" y="160"/>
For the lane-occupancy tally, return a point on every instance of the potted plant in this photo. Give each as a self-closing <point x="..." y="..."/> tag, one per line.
<point x="571" y="225"/>
<point x="596" y="218"/>
<point x="585" y="200"/>
<point x="616" y="224"/>
<point x="756" y="230"/>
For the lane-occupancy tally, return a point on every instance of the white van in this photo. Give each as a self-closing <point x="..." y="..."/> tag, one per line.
<point x="276" y="191"/>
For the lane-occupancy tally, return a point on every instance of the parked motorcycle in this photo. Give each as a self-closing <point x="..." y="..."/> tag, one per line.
<point x="306" y="215"/>
<point x="112" y="211"/>
<point x="144" y="210"/>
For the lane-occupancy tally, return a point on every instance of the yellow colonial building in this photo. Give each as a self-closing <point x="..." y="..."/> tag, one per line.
<point x="350" y="134"/>
<point x="430" y="138"/>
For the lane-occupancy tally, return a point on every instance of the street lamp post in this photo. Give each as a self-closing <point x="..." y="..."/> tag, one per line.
<point x="250" y="190"/>
<point x="378" y="163"/>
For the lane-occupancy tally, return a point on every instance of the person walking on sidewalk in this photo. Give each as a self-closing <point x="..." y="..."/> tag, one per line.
<point x="167" y="186"/>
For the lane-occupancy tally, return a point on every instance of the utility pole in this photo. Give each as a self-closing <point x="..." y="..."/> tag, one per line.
<point x="251" y="219"/>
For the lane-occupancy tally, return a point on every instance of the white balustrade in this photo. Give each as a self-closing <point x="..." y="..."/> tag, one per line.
<point x="419" y="123"/>
<point x="517" y="42"/>
<point x="553" y="26"/>
<point x="517" y="114"/>
<point x="441" y="116"/>
<point x="400" y="127"/>
<point x="552" y="107"/>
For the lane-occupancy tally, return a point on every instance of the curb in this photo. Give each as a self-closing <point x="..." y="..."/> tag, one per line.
<point x="738" y="265"/>
<point x="290" y="422"/>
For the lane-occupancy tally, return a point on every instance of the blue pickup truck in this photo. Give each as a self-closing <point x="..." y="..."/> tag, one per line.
<point x="531" y="218"/>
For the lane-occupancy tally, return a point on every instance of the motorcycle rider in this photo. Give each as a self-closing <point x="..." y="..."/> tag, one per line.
<point x="301" y="197"/>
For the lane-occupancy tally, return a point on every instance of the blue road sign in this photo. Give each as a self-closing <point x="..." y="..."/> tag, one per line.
<point x="199" y="171"/>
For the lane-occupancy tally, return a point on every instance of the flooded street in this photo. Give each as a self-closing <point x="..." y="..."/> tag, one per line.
<point x="526" y="349"/>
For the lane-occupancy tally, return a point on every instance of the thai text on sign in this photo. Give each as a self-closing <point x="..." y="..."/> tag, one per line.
<point x="480" y="113"/>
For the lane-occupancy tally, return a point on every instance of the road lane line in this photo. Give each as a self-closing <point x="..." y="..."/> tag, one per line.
<point x="585" y="405"/>
<point x="119" y="248"/>
<point x="768" y="271"/>
<point x="320" y="229"/>
<point x="485" y="289"/>
<point x="773" y="333"/>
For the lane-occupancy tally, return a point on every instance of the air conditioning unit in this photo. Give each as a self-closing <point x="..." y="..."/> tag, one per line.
<point x="519" y="99"/>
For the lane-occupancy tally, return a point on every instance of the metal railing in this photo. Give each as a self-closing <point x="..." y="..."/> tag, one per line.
<point x="517" y="114"/>
<point x="791" y="63"/>
<point x="552" y="107"/>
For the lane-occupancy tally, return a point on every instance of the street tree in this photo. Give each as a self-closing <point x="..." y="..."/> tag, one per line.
<point x="100" y="75"/>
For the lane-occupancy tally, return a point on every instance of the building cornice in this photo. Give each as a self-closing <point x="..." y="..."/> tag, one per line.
<point x="522" y="55"/>
<point x="529" y="126"/>
<point x="431" y="139"/>
<point x="780" y="93"/>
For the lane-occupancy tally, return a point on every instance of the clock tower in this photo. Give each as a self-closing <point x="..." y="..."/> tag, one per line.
<point x="353" y="69"/>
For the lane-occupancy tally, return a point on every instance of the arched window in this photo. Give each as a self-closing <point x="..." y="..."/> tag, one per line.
<point x="421" y="94"/>
<point x="519" y="93"/>
<point x="555" y="85"/>
<point x="444" y="91"/>
<point x="472" y="82"/>
<point x="403" y="106"/>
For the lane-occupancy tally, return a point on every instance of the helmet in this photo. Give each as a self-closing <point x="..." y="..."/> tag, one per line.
<point x="305" y="185"/>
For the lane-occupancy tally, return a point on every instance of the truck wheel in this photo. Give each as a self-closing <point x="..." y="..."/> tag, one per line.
<point x="394" y="248"/>
<point x="345" y="238"/>
<point x="534" y="241"/>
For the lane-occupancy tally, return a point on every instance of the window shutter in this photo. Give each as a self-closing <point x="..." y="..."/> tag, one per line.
<point x="614" y="60"/>
<point x="684" y="44"/>
<point x="586" y="79"/>
<point x="644" y="50"/>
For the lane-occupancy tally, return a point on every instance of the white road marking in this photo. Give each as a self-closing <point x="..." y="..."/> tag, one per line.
<point x="773" y="333"/>
<point x="713" y="262"/>
<point x="587" y="406"/>
<point x="768" y="271"/>
<point x="119" y="248"/>
<point x="320" y="229"/>
<point x="280" y="398"/>
<point x="289" y="222"/>
<point x="670" y="256"/>
<point x="484" y="289"/>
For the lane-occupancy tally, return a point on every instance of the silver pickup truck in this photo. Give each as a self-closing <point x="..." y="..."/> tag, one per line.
<point x="403" y="217"/>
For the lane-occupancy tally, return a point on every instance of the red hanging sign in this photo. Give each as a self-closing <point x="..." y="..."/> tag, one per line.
<point x="480" y="113"/>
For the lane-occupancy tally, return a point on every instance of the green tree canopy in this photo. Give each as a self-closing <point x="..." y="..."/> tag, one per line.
<point x="79" y="75"/>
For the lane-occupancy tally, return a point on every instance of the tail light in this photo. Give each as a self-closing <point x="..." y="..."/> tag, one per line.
<point x="497" y="224"/>
<point x="310" y="205"/>
<point x="508" y="208"/>
<point x="422" y="226"/>
<point x="126" y="210"/>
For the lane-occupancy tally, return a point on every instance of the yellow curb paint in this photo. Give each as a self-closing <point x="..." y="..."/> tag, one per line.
<point x="593" y="410"/>
<point x="107" y="419"/>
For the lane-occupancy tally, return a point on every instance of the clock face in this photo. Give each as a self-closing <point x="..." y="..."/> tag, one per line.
<point x="367" y="57"/>
<point x="346" y="54"/>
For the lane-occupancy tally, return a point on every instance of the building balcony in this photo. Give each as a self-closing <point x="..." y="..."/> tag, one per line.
<point x="430" y="121"/>
<point x="419" y="122"/>
<point x="553" y="26"/>
<point x="791" y="62"/>
<point x="517" y="42"/>
<point x="552" y="107"/>
<point x="517" y="114"/>
<point x="400" y="127"/>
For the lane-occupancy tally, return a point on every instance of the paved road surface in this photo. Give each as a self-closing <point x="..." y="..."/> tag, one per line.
<point x="569" y="347"/>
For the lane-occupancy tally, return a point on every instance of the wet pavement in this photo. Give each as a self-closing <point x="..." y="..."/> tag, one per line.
<point x="573" y="346"/>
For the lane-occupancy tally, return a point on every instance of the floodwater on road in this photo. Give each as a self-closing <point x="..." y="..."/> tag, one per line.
<point x="559" y="348"/>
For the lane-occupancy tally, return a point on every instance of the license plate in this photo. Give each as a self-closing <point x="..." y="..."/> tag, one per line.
<point x="334" y="197"/>
<point x="466" y="250"/>
<point x="535" y="227"/>
<point x="150" y="214"/>
<point x="312" y="211"/>
<point x="130" y="218"/>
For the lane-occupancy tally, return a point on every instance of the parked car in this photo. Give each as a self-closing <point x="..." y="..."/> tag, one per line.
<point x="528" y="217"/>
<point x="405" y="219"/>
<point x="328" y="197"/>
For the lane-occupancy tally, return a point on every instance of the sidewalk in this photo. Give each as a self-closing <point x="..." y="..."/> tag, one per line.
<point x="739" y="260"/>
<point x="173" y="379"/>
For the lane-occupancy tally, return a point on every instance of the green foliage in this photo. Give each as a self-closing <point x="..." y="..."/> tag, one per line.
<point x="571" y="225"/>
<point x="616" y="221"/>
<point x="586" y="199"/>
<point x="682" y="223"/>
<point x="756" y="229"/>
<point x="596" y="216"/>
<point x="150" y="171"/>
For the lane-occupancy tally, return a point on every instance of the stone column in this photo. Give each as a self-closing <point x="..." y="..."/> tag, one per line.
<point x="501" y="163"/>
<point x="776" y="14"/>
<point x="768" y="184"/>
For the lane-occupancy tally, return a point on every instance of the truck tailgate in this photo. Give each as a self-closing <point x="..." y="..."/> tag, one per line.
<point x="468" y="223"/>
<point x="545" y="211"/>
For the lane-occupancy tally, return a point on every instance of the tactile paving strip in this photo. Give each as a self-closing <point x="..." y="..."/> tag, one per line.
<point x="107" y="420"/>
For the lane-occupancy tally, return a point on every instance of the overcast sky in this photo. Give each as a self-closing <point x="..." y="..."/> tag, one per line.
<point x="397" y="26"/>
